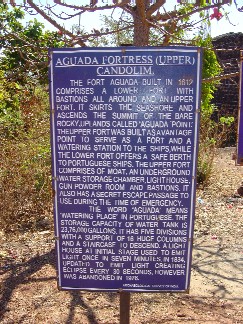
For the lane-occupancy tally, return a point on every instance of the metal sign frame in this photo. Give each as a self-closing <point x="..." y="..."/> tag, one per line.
<point x="153" y="119"/>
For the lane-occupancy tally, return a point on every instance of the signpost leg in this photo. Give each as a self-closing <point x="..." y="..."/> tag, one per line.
<point x="124" y="307"/>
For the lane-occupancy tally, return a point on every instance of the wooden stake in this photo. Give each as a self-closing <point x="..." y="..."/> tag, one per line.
<point x="124" y="307"/>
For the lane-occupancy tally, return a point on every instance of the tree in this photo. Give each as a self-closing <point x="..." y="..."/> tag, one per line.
<point x="146" y="15"/>
<point x="24" y="54"/>
<point x="23" y="67"/>
<point x="138" y="22"/>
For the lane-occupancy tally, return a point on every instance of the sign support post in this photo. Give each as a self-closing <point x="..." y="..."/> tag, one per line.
<point x="124" y="307"/>
<point x="239" y="146"/>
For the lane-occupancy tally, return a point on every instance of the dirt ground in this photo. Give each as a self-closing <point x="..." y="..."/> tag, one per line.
<point x="29" y="291"/>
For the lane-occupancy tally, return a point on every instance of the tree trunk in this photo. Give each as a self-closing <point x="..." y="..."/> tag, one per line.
<point x="141" y="25"/>
<point x="141" y="33"/>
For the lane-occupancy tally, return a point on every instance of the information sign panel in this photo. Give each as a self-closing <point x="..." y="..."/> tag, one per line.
<point x="124" y="145"/>
<point x="239" y="158"/>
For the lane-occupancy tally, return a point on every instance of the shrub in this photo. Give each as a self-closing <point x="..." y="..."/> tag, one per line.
<point x="25" y="195"/>
<point x="212" y="133"/>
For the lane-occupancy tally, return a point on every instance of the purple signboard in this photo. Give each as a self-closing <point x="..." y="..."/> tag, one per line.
<point x="124" y="150"/>
<point x="239" y="159"/>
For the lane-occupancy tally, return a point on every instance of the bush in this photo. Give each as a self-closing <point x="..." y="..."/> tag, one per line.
<point x="212" y="136"/>
<point x="212" y="133"/>
<point x="25" y="182"/>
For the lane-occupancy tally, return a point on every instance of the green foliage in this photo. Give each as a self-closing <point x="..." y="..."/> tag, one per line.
<point x="25" y="181"/>
<point x="24" y="66"/>
<point x="207" y="141"/>
<point x="212" y="133"/>
<point x="228" y="121"/>
<point x="211" y="68"/>
<point x="123" y="32"/>
<point x="10" y="115"/>
<point x="24" y="56"/>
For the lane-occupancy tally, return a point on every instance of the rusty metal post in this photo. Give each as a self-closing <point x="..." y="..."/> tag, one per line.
<point x="124" y="307"/>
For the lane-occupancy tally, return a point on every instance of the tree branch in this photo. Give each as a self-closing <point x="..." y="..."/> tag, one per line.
<point x="156" y="6"/>
<point x="221" y="77"/>
<point x="53" y="22"/>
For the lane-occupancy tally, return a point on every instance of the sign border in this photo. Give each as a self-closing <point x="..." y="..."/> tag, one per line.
<point x="182" y="49"/>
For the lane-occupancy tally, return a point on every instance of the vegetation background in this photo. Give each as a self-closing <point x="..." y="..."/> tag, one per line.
<point x="27" y="256"/>
<point x="25" y="173"/>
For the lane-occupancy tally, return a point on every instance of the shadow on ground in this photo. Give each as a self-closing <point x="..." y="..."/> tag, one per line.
<point x="220" y="268"/>
<point x="29" y="293"/>
<point x="16" y="275"/>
